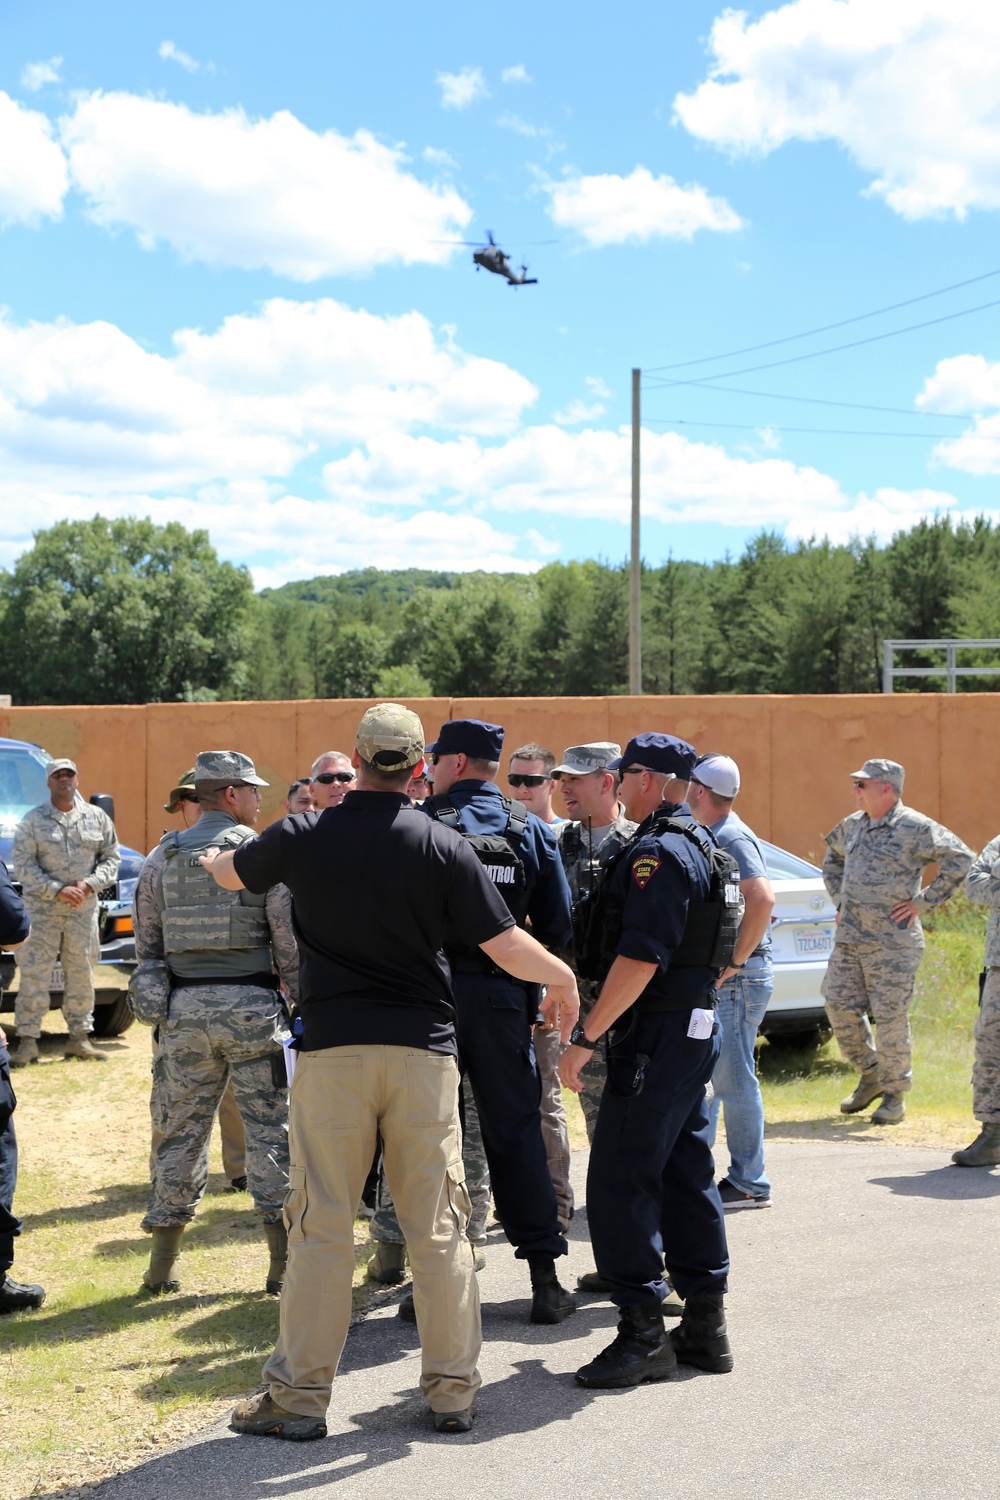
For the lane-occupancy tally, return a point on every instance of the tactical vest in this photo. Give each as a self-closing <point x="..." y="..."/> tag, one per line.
<point x="712" y="928"/>
<point x="199" y="916"/>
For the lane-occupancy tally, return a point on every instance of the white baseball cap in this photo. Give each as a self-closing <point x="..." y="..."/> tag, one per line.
<point x="719" y="773"/>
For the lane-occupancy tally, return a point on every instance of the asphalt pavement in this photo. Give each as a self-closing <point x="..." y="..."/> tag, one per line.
<point x="863" y="1317"/>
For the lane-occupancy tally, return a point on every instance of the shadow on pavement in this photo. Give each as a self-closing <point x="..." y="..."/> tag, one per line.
<point x="944" y="1182"/>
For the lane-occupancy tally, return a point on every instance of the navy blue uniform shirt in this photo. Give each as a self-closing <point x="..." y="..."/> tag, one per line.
<point x="480" y="807"/>
<point x="660" y="875"/>
<point x="14" y="922"/>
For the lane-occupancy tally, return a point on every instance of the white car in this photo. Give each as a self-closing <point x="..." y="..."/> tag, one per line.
<point x="802" y="930"/>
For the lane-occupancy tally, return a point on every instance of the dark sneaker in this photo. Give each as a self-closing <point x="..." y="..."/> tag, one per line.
<point x="17" y="1298"/>
<point x="866" y="1091"/>
<point x="642" y="1351"/>
<point x="891" y="1111"/>
<point x="734" y="1197"/>
<point x="237" y="1185"/>
<point x="454" y="1421"/>
<point x="259" y="1416"/>
<point x="407" y="1311"/>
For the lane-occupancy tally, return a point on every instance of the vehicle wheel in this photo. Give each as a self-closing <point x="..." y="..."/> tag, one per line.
<point x="806" y="1040"/>
<point x="112" y="1013"/>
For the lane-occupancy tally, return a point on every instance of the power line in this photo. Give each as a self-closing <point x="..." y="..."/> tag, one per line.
<point x="826" y="327"/>
<point x="896" y="411"/>
<point x="795" y="359"/>
<point x="831" y="431"/>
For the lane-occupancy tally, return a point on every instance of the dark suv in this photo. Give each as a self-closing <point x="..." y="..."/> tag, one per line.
<point x="23" y="786"/>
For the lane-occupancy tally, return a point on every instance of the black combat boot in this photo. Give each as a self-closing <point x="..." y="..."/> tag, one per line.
<point x="17" y="1298"/>
<point x="550" y="1302"/>
<point x="700" y="1337"/>
<point x="642" y="1351"/>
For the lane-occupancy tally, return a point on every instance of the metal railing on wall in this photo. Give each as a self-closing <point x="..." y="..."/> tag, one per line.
<point x="950" y="670"/>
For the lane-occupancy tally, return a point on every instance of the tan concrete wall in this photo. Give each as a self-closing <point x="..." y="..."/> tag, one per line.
<point x="795" y="753"/>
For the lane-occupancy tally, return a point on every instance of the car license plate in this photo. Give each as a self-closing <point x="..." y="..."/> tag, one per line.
<point x="814" y="943"/>
<point x="58" y="979"/>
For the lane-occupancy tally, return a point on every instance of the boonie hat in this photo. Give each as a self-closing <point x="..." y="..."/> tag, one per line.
<point x="218" y="768"/>
<point x="390" y="737"/>
<point x="472" y="737"/>
<point x="580" y="760"/>
<point x="185" y="786"/>
<point x="659" y="752"/>
<point x="881" y="770"/>
<point x="60" y="765"/>
<point x="719" y="773"/>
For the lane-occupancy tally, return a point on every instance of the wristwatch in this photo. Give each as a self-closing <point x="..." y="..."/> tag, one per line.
<point x="579" y="1038"/>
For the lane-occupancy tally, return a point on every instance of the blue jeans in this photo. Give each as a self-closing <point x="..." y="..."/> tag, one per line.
<point x="740" y="1007"/>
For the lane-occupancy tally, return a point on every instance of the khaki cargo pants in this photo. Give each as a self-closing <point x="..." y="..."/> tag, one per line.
<point x="340" y="1097"/>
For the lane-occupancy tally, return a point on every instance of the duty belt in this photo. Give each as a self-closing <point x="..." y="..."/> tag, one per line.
<point x="265" y="980"/>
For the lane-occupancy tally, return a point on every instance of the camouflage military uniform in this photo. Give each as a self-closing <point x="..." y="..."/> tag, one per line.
<point x="982" y="884"/>
<point x="216" y="1032"/>
<point x="582" y="862"/>
<point x="385" y="1224"/>
<point x="870" y="867"/>
<point x="53" y="849"/>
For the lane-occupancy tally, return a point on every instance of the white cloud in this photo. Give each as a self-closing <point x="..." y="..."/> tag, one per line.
<point x="228" y="190"/>
<point x="35" y="75"/>
<point x="907" y="87"/>
<point x="578" y="411"/>
<point x="459" y="90"/>
<point x="170" y="52"/>
<point x="252" y="398"/>
<point x="510" y="121"/>
<point x="517" y="74"/>
<point x="610" y="210"/>
<point x="33" y="177"/>
<point x="966" y="383"/>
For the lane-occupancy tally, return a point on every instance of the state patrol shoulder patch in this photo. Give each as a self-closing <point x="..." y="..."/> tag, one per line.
<point x="644" y="868"/>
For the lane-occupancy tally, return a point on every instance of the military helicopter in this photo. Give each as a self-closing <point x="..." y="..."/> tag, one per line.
<point x="491" y="258"/>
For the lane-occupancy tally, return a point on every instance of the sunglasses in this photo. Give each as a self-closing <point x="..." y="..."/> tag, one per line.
<point x="239" y="786"/>
<point x="860" y="784"/>
<point x="328" y="776"/>
<point x="634" y="770"/>
<point x="515" y="780"/>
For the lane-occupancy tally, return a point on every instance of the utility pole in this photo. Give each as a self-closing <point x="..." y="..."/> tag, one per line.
<point x="635" y="570"/>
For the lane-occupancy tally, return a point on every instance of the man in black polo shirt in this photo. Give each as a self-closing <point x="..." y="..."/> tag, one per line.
<point x="376" y="886"/>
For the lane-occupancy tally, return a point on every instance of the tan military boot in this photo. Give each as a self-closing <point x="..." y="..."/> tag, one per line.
<point x="867" y="1090"/>
<point x="891" y="1111"/>
<point x="388" y="1265"/>
<point x="277" y="1244"/>
<point x="26" y="1052"/>
<point x="81" y="1047"/>
<point x="158" y="1275"/>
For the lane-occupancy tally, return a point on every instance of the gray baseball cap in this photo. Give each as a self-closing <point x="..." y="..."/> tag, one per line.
<point x="881" y="770"/>
<point x="215" y="768"/>
<point x="60" y="765"/>
<point x="580" y="760"/>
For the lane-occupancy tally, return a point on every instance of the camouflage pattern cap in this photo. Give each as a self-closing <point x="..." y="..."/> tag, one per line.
<point x="881" y="770"/>
<point x="215" y="768"/>
<point x="580" y="760"/>
<point x="60" y="765"/>
<point x="390" y="737"/>
<point x="184" y="787"/>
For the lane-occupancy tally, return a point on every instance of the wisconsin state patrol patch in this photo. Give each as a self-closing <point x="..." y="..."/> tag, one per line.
<point x="644" y="868"/>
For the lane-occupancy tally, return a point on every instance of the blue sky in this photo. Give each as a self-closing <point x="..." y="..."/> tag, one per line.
<point x="225" y="303"/>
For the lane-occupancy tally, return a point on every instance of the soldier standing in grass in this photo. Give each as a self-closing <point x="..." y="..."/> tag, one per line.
<point x="65" y="851"/>
<point x="982" y="885"/>
<point x="225" y="1016"/>
<point x="873" y="868"/>
<point x="14" y="1297"/>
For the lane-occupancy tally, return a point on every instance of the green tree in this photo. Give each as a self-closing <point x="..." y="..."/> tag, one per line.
<point x="123" y="611"/>
<point x="353" y="661"/>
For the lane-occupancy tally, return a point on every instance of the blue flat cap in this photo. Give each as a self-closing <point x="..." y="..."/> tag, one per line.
<point x="659" y="752"/>
<point x="470" y="737"/>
